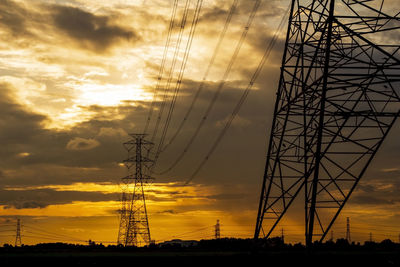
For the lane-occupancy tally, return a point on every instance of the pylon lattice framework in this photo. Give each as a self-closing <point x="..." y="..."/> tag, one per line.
<point x="337" y="99"/>
<point x="18" y="241"/>
<point x="134" y="227"/>
<point x="217" y="230"/>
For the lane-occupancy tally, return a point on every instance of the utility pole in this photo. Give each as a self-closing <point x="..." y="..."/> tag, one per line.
<point x="336" y="101"/>
<point x="370" y="237"/>
<point x="217" y="230"/>
<point x="282" y="236"/>
<point x="134" y="227"/>
<point x="332" y="235"/>
<point x="348" y="237"/>
<point x="18" y="241"/>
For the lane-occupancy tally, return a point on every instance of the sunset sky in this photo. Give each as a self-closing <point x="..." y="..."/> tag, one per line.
<point x="76" y="76"/>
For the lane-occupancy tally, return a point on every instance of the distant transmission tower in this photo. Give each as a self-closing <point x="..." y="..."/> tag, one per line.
<point x="134" y="225"/>
<point x="217" y="230"/>
<point x="348" y="236"/>
<point x="337" y="99"/>
<point x="18" y="241"/>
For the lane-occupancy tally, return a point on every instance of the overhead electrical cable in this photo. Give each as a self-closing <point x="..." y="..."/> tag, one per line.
<point x="180" y="76"/>
<point x="205" y="76"/>
<point x="171" y="70"/>
<point x="219" y="88"/>
<point x="242" y="98"/>
<point x="47" y="233"/>
<point x="162" y="66"/>
<point x="45" y="236"/>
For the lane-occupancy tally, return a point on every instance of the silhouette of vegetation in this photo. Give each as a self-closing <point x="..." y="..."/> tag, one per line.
<point x="226" y="250"/>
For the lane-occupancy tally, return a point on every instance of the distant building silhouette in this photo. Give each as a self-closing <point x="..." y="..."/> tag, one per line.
<point x="179" y="243"/>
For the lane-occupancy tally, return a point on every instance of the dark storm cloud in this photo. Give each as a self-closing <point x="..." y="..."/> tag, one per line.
<point x="41" y="198"/>
<point x="89" y="30"/>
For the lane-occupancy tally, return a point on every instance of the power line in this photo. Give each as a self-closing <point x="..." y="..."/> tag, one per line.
<point x="51" y="234"/>
<point x="241" y="100"/>
<point x="205" y="76"/>
<point x="162" y="66"/>
<point x="194" y="231"/>
<point x="49" y="238"/>
<point x="171" y="70"/>
<point x="180" y="77"/>
<point x="54" y="236"/>
<point x="220" y="86"/>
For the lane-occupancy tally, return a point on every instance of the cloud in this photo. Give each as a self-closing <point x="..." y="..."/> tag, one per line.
<point x="237" y="122"/>
<point x="25" y="205"/>
<point x="16" y="121"/>
<point x="168" y="212"/>
<point x="111" y="132"/>
<point x="35" y="22"/>
<point x="60" y="38"/>
<point x="41" y="198"/>
<point x="79" y="143"/>
<point x="371" y="200"/>
<point x="89" y="30"/>
<point x="13" y="17"/>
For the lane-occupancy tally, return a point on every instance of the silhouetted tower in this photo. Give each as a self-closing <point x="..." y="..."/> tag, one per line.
<point x="370" y="237"/>
<point x="18" y="241"/>
<point x="217" y="230"/>
<point x="337" y="99"/>
<point x="134" y="225"/>
<point x="348" y="236"/>
<point x="332" y="235"/>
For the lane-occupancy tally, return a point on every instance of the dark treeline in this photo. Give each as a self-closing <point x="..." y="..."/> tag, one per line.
<point x="223" y="244"/>
<point x="224" y="251"/>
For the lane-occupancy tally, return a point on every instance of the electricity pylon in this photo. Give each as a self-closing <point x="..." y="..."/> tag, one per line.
<point x="217" y="230"/>
<point x="337" y="99"/>
<point x="348" y="235"/>
<point x="134" y="227"/>
<point x="18" y="241"/>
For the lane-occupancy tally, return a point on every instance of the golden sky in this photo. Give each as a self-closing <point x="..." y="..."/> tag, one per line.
<point x="76" y="76"/>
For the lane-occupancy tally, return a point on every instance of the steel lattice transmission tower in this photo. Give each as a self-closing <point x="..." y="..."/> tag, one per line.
<point x="337" y="99"/>
<point x="134" y="224"/>
<point x="18" y="241"/>
<point x="217" y="230"/>
<point x="348" y="235"/>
